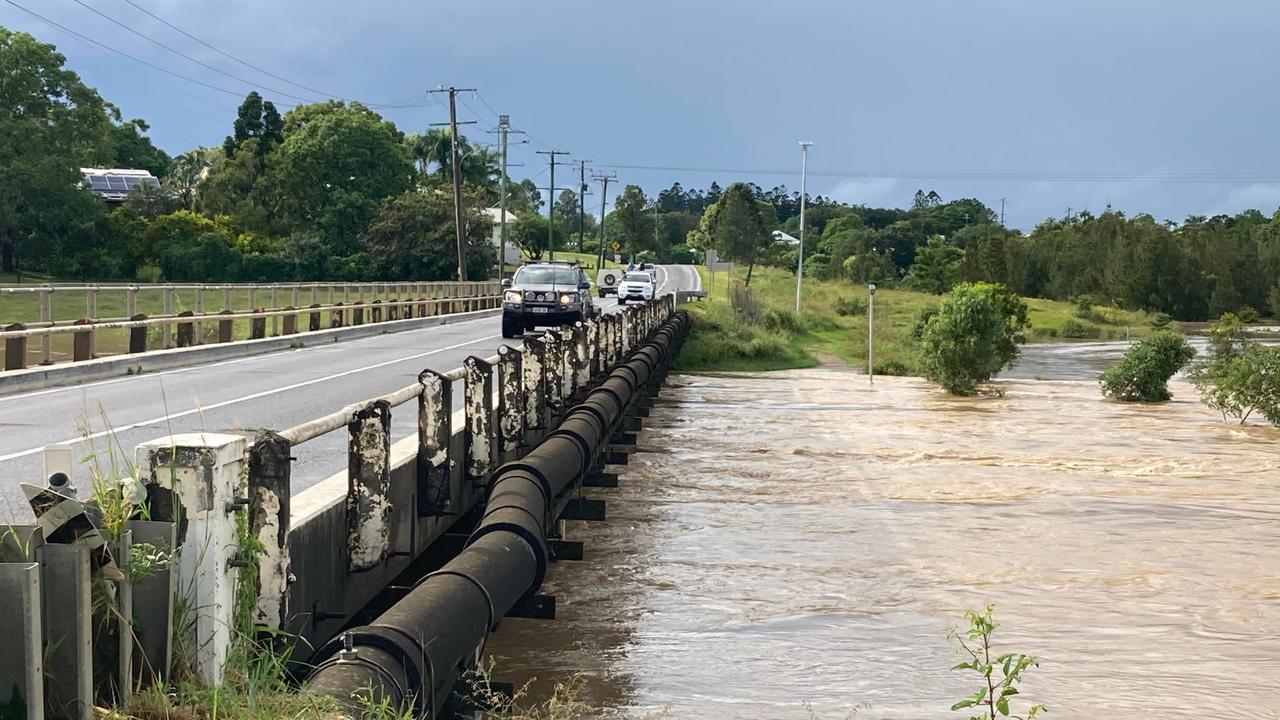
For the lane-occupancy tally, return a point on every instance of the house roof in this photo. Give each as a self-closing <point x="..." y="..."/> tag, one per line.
<point x="115" y="184"/>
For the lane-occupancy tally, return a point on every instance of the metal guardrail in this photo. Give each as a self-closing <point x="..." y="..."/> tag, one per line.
<point x="314" y="572"/>
<point x="389" y="302"/>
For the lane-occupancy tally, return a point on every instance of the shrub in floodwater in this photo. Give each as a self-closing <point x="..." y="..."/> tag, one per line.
<point x="1160" y="321"/>
<point x="994" y="694"/>
<point x="1240" y="377"/>
<point x="973" y="335"/>
<point x="1248" y="315"/>
<point x="1143" y="374"/>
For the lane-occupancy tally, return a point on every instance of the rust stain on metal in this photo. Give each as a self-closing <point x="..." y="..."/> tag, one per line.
<point x="369" y="486"/>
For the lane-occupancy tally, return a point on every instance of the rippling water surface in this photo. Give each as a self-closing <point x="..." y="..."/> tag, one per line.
<point x="799" y="542"/>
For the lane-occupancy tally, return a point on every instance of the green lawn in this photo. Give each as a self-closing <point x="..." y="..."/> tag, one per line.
<point x="777" y="339"/>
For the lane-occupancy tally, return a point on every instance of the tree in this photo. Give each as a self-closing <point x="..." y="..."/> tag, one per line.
<point x="413" y="237"/>
<point x="566" y="214"/>
<point x="135" y="150"/>
<point x="331" y="173"/>
<point x="255" y="119"/>
<point x="529" y="232"/>
<point x="524" y="197"/>
<point x="1246" y="385"/>
<point x="632" y="221"/>
<point x="1143" y="374"/>
<point x="974" y="334"/>
<point x="742" y="226"/>
<point x="51" y="124"/>
<point x="937" y="267"/>
<point x="185" y="174"/>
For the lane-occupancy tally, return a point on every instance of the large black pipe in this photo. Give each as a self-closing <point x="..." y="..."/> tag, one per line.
<point x="412" y="655"/>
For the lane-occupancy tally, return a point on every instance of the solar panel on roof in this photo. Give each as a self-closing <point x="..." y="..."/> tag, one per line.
<point x="117" y="183"/>
<point x="98" y="182"/>
<point x="132" y="182"/>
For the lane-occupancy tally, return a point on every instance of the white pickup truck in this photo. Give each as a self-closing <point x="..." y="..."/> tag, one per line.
<point x="636" y="285"/>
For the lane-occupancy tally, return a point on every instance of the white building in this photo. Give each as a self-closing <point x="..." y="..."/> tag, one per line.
<point x="512" y="256"/>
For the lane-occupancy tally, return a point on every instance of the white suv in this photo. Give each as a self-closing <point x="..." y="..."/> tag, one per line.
<point x="636" y="285"/>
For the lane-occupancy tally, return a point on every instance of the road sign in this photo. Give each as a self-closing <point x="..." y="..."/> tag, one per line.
<point x="616" y="247"/>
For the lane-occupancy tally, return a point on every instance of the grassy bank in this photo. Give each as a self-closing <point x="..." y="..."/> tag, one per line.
<point x="764" y="333"/>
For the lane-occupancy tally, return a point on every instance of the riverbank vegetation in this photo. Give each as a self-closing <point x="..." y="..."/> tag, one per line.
<point x="273" y="201"/>
<point x="755" y="328"/>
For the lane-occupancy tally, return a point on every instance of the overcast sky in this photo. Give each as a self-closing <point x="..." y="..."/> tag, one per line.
<point x="1160" y="106"/>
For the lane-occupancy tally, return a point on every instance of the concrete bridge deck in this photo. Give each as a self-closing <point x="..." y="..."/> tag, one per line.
<point x="238" y="396"/>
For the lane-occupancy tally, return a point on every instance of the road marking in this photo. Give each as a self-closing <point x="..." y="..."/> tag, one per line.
<point x="254" y="396"/>
<point x="220" y="363"/>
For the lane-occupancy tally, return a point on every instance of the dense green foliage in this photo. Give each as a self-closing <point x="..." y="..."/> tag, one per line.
<point x="298" y="196"/>
<point x="973" y="335"/>
<point x="1239" y="378"/>
<point x="1143" y="374"/>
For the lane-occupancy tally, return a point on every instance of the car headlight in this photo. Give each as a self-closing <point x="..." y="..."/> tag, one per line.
<point x="566" y="299"/>
<point x="512" y="296"/>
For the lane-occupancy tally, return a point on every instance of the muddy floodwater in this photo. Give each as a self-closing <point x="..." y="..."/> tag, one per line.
<point x="797" y="544"/>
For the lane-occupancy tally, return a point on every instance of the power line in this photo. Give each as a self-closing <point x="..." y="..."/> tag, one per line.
<point x="264" y="71"/>
<point x="1094" y="177"/>
<point x="222" y="52"/>
<point x="181" y="54"/>
<point x="121" y="53"/>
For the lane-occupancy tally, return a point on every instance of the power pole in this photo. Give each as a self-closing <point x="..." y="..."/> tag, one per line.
<point x="457" y="178"/>
<point x="582" y="200"/>
<point x="1002" y="212"/>
<point x="604" y="194"/>
<point x="504" y="129"/>
<point x="551" y="204"/>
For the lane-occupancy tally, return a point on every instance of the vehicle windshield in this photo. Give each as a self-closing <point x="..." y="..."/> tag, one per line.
<point x="547" y="275"/>
<point x="639" y="277"/>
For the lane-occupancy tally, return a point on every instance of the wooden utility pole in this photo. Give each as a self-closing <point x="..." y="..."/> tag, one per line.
<point x="582" y="200"/>
<point x="604" y="194"/>
<point x="457" y="178"/>
<point x="551" y="204"/>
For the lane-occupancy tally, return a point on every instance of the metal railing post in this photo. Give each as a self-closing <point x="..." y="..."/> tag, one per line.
<point x="369" y="486"/>
<point x="435" y="428"/>
<point x="199" y="337"/>
<point x="166" y="308"/>
<point x="46" y="319"/>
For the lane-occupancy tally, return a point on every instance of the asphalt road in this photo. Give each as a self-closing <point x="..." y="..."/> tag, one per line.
<point x="276" y="391"/>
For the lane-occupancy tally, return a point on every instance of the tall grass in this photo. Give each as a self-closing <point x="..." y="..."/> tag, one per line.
<point x="833" y="324"/>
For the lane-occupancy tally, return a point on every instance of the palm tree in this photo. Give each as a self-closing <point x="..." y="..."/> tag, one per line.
<point x="188" y="170"/>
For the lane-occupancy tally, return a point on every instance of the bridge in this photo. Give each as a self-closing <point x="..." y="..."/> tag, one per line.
<point x="394" y="547"/>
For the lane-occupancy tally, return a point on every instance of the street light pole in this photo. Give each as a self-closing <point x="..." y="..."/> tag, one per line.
<point x="804" y="168"/>
<point x="871" y="332"/>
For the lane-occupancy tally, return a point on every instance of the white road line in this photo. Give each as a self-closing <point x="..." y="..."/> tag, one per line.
<point x="254" y="396"/>
<point x="219" y="363"/>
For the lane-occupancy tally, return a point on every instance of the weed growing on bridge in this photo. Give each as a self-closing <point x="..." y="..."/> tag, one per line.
<point x="993" y="695"/>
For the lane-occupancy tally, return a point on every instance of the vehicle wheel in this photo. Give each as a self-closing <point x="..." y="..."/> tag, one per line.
<point x="511" y="329"/>
<point x="601" y="291"/>
<point x="622" y="300"/>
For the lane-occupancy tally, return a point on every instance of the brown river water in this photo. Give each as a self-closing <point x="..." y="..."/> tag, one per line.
<point x="797" y="544"/>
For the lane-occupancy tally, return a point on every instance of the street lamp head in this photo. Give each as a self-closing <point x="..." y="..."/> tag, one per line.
<point x="805" y="144"/>
<point x="872" y="288"/>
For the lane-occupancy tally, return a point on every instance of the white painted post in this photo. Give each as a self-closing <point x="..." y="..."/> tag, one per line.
<point x="203" y="470"/>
